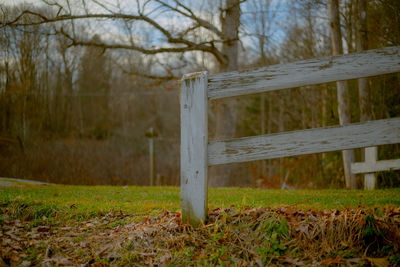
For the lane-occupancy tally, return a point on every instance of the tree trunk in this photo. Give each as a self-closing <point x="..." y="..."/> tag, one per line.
<point x="7" y="125"/>
<point x="324" y="121"/>
<point x="281" y="128"/>
<point x="362" y="44"/>
<point x="363" y="88"/>
<point x="227" y="109"/>
<point x="270" y="116"/>
<point x="262" y="107"/>
<point x="349" y="20"/>
<point x="342" y="89"/>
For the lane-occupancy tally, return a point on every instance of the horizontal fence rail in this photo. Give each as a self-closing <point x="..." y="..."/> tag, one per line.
<point x="372" y="133"/>
<point x="379" y="166"/>
<point x="307" y="72"/>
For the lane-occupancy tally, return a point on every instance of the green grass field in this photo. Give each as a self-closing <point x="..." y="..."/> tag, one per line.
<point x="74" y="202"/>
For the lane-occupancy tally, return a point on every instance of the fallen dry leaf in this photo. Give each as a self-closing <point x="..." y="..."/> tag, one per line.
<point x="41" y="229"/>
<point x="379" y="262"/>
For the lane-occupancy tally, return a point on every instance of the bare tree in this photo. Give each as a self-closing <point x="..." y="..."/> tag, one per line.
<point x="226" y="115"/>
<point x="262" y="18"/>
<point x="363" y="87"/>
<point x="342" y="89"/>
<point x="362" y="44"/>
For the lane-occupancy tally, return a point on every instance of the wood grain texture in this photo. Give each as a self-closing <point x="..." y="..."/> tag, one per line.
<point x="307" y="72"/>
<point x="372" y="133"/>
<point x="194" y="138"/>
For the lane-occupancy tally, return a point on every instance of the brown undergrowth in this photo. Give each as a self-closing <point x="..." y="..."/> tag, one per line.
<point x="231" y="237"/>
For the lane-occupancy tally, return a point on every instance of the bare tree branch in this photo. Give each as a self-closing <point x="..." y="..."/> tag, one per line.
<point x="188" y="45"/>
<point x="152" y="51"/>
<point x="203" y="23"/>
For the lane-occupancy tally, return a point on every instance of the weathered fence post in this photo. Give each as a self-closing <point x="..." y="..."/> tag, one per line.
<point x="371" y="155"/>
<point x="194" y="141"/>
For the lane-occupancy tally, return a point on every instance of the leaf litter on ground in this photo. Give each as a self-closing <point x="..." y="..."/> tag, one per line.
<point x="231" y="237"/>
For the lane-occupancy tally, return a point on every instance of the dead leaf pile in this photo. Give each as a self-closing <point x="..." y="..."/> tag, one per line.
<point x="231" y="237"/>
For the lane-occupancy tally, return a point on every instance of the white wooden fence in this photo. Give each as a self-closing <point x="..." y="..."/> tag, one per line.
<point x="197" y="88"/>
<point x="371" y="165"/>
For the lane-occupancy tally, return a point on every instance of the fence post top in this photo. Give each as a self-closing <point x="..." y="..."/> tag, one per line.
<point x="193" y="75"/>
<point x="151" y="133"/>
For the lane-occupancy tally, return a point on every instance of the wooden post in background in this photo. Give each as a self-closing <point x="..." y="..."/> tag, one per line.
<point x="151" y="154"/>
<point x="151" y="134"/>
<point x="194" y="141"/>
<point x="372" y="165"/>
<point x="371" y="155"/>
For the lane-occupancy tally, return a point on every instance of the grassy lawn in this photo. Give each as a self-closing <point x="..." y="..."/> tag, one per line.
<point x="135" y="226"/>
<point x="74" y="202"/>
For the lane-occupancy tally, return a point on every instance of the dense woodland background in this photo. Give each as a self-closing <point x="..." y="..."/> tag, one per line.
<point x="77" y="94"/>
